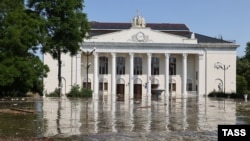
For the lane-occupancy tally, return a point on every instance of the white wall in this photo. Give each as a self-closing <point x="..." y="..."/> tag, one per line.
<point x="226" y="58"/>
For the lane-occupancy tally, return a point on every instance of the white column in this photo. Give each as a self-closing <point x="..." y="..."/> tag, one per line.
<point x="95" y="82"/>
<point x="184" y="74"/>
<point x="113" y="87"/>
<point x="200" y="76"/>
<point x="166" y="97"/>
<point x="78" y="60"/>
<point x="131" y="76"/>
<point x="149" y="78"/>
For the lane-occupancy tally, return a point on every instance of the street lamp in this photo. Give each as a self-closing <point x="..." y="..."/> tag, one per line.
<point x="88" y="53"/>
<point x="219" y="65"/>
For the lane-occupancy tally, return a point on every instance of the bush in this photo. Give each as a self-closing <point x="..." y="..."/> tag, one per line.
<point x="55" y="93"/>
<point x="77" y="92"/>
<point x="225" y="95"/>
<point x="217" y="94"/>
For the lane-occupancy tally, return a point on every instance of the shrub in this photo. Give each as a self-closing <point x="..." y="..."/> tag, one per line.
<point x="77" y="92"/>
<point x="217" y="94"/>
<point x="86" y="92"/>
<point x="55" y="93"/>
<point x="225" y="95"/>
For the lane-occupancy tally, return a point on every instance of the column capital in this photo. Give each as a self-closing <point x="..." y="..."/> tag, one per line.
<point x="149" y="54"/>
<point x="167" y="55"/>
<point x="95" y="54"/>
<point x="184" y="55"/>
<point x="131" y="54"/>
<point x="113" y="54"/>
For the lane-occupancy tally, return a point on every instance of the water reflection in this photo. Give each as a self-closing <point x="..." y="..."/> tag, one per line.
<point x="189" y="117"/>
<point x="76" y="116"/>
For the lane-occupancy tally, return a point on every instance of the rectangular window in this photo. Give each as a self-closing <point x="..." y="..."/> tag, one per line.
<point x="103" y="86"/>
<point x="155" y="66"/>
<point x="85" y="85"/>
<point x="189" y="87"/>
<point x="120" y="65"/>
<point x="172" y="87"/>
<point x="137" y="66"/>
<point x="103" y="65"/>
<point x="154" y="86"/>
<point x="172" y="66"/>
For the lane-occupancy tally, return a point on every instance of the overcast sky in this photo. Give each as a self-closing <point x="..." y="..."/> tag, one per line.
<point x="227" y="18"/>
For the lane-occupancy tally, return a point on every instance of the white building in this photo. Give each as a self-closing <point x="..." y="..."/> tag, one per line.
<point x="130" y="60"/>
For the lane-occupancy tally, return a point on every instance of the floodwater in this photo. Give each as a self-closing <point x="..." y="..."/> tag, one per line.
<point x="187" y="119"/>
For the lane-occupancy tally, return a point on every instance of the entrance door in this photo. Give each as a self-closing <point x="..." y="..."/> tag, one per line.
<point x="120" y="92"/>
<point x="137" y="91"/>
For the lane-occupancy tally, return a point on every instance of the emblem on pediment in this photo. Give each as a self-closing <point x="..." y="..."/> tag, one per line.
<point x="139" y="37"/>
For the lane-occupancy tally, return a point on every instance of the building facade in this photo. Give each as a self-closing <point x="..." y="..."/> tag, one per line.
<point x="138" y="60"/>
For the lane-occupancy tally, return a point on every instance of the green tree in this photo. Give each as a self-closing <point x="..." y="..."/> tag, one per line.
<point x="243" y="65"/>
<point x="247" y="51"/>
<point x="20" y="69"/>
<point x="241" y="83"/>
<point x="66" y="26"/>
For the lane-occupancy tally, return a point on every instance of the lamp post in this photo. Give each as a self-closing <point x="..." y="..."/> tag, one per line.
<point x="87" y="54"/>
<point x="219" y="65"/>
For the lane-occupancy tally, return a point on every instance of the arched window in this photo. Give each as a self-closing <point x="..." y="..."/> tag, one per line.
<point x="103" y="65"/>
<point x="172" y="85"/>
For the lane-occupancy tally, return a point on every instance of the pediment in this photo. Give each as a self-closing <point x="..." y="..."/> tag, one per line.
<point x="141" y="35"/>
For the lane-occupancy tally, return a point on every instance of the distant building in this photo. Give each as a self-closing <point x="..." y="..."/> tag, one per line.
<point x="132" y="59"/>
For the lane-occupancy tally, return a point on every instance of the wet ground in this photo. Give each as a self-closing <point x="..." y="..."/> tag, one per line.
<point x="189" y="119"/>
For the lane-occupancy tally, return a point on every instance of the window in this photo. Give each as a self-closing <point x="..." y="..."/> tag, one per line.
<point x="189" y="86"/>
<point x="172" y="87"/>
<point x="103" y="65"/>
<point x="155" y="66"/>
<point x="172" y="66"/>
<point x="103" y="86"/>
<point x="120" y="67"/>
<point x="137" y="66"/>
<point x="154" y="86"/>
<point x="84" y="84"/>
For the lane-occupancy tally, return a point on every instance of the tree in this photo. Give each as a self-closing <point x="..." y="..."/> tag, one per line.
<point x="247" y="51"/>
<point x="66" y="26"/>
<point x="20" y="69"/>
<point x="241" y="84"/>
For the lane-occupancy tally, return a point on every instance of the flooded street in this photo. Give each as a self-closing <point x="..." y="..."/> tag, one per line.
<point x="186" y="119"/>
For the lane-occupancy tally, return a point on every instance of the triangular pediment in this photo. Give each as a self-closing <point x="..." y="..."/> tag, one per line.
<point x="141" y="35"/>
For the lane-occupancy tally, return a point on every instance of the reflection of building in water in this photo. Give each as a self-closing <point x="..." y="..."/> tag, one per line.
<point x="131" y="59"/>
<point x="63" y="116"/>
<point x="74" y="117"/>
<point x="214" y="112"/>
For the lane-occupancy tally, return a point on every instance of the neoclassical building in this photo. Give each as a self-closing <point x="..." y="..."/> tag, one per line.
<point x="131" y="60"/>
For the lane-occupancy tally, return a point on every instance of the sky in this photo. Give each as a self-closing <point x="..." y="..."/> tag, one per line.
<point x="215" y="18"/>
